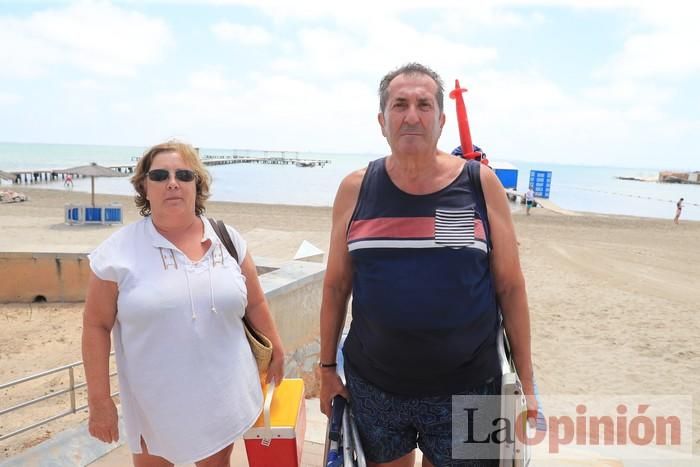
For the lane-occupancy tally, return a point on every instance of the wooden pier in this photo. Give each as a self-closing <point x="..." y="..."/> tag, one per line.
<point x="48" y="175"/>
<point x="278" y="160"/>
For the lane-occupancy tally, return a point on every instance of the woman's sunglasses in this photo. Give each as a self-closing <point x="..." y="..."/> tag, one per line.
<point x="161" y="175"/>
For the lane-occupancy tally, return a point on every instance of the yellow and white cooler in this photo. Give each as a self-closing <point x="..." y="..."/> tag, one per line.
<point x="277" y="438"/>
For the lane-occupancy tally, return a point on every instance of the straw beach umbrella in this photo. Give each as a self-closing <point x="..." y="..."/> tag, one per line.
<point x="93" y="170"/>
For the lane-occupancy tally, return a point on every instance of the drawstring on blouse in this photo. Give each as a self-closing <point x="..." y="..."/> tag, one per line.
<point x="211" y="283"/>
<point x="189" y="289"/>
<point x="211" y="288"/>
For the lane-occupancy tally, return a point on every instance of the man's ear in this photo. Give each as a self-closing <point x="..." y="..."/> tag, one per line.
<point x="442" y="120"/>
<point x="380" y="119"/>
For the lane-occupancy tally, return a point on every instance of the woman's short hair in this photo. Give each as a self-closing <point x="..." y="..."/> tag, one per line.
<point x="191" y="157"/>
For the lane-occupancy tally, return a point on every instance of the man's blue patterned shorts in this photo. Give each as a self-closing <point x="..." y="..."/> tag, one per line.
<point x="391" y="425"/>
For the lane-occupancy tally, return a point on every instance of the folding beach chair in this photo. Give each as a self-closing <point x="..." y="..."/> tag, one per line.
<point x="343" y="447"/>
<point x="514" y="407"/>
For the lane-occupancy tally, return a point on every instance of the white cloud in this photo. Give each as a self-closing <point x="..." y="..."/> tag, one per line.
<point x="7" y="98"/>
<point x="661" y="42"/>
<point x="629" y="91"/>
<point x="84" y="85"/>
<point x="211" y="81"/>
<point x="91" y="36"/>
<point x="456" y="20"/>
<point x="376" y="48"/>
<point x="274" y="112"/>
<point x="124" y="108"/>
<point x="318" y="91"/>
<point x="671" y="54"/>
<point x="244" y="34"/>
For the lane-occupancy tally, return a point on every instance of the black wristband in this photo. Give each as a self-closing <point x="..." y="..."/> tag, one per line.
<point x="327" y="365"/>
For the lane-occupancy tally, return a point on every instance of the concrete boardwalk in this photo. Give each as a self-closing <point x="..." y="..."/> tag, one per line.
<point x="312" y="456"/>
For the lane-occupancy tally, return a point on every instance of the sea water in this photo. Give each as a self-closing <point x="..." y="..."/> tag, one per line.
<point x="577" y="188"/>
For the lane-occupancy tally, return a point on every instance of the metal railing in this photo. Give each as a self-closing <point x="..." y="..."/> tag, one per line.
<point x="72" y="387"/>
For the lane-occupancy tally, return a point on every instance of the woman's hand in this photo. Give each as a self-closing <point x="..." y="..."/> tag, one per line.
<point x="276" y="369"/>
<point x="103" y="422"/>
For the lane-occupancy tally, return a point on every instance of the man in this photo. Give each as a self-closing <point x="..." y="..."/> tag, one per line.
<point x="529" y="200"/>
<point x="427" y="269"/>
<point x="679" y="208"/>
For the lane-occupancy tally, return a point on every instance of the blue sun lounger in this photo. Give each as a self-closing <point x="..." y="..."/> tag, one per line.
<point x="101" y="214"/>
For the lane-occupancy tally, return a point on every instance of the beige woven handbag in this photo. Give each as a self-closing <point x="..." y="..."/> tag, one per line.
<point x="261" y="347"/>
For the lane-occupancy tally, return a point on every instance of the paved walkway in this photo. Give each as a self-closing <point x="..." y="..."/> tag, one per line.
<point x="312" y="456"/>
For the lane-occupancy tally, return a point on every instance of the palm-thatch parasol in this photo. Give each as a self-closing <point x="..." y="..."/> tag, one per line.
<point x="7" y="176"/>
<point x="93" y="170"/>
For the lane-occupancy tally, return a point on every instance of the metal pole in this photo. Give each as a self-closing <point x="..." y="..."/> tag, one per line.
<point x="92" y="180"/>
<point x="71" y="376"/>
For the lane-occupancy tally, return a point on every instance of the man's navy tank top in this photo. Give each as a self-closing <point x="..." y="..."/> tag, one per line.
<point x="424" y="312"/>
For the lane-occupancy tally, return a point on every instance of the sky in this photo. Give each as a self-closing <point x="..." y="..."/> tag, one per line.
<point x="592" y="82"/>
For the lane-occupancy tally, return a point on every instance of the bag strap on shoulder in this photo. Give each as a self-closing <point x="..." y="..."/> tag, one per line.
<point x="474" y="170"/>
<point x="222" y="232"/>
<point x="474" y="173"/>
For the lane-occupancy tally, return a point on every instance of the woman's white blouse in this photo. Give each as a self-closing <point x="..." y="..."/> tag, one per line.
<point x="188" y="381"/>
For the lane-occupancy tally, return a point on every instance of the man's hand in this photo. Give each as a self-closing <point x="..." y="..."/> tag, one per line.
<point x="103" y="422"/>
<point x="532" y="407"/>
<point x="331" y="386"/>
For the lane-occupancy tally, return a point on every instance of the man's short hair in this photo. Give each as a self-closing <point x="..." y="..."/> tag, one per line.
<point x="411" y="69"/>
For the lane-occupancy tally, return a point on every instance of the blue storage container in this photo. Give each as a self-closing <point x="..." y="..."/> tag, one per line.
<point x="540" y="181"/>
<point x="509" y="178"/>
<point x="506" y="172"/>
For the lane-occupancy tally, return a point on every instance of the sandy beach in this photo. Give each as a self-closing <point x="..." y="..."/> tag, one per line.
<point x="614" y="301"/>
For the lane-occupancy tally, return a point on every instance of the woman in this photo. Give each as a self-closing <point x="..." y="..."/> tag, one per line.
<point x="174" y="298"/>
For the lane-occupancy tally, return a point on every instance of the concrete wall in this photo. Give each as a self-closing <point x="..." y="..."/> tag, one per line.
<point x="293" y="290"/>
<point x="57" y="277"/>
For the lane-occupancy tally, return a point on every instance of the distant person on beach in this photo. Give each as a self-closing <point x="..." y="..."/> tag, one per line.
<point x="529" y="200"/>
<point x="68" y="183"/>
<point x="428" y="258"/>
<point x="174" y="297"/>
<point x="679" y="208"/>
